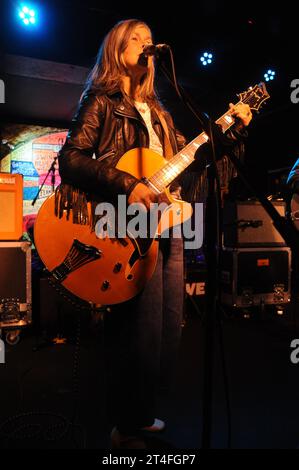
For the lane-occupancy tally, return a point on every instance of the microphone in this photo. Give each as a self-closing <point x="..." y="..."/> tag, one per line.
<point x="152" y="49"/>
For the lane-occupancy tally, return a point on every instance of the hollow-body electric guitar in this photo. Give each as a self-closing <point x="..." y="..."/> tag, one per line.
<point x="108" y="270"/>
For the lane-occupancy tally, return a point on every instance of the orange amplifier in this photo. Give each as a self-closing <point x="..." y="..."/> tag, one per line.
<point x="11" y="206"/>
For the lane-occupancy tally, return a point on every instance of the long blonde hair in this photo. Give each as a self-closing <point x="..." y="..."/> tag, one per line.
<point x="109" y="67"/>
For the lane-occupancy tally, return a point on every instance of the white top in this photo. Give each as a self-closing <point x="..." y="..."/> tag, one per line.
<point x="155" y="143"/>
<point x="145" y="112"/>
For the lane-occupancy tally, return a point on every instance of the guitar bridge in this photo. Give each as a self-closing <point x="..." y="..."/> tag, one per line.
<point x="79" y="255"/>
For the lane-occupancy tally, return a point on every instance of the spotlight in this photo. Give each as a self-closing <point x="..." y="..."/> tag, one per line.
<point x="27" y="15"/>
<point x="269" y="75"/>
<point x="206" y="58"/>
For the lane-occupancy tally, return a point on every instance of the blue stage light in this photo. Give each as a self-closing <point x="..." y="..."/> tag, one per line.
<point x="206" y="58"/>
<point x="27" y="15"/>
<point x="269" y="75"/>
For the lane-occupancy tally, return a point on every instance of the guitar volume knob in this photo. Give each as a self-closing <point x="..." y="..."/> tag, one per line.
<point x="117" y="267"/>
<point x="105" y="285"/>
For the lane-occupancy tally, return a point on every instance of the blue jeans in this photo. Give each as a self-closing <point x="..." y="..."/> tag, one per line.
<point x="142" y="338"/>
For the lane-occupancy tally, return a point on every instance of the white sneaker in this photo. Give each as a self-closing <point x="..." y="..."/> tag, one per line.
<point x="157" y="426"/>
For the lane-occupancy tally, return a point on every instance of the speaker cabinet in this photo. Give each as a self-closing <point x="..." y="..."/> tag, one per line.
<point x="247" y="224"/>
<point x="11" y="206"/>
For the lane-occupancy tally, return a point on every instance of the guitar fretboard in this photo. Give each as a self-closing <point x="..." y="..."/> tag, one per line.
<point x="179" y="162"/>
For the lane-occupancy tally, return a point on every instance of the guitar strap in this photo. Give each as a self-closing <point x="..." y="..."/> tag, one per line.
<point x="168" y="152"/>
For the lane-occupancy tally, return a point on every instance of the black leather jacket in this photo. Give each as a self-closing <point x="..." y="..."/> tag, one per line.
<point x="107" y="126"/>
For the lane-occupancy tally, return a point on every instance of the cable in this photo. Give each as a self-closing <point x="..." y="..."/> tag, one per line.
<point x="10" y="429"/>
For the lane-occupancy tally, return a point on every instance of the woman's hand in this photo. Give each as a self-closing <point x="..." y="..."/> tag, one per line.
<point x="242" y="113"/>
<point x="142" y="194"/>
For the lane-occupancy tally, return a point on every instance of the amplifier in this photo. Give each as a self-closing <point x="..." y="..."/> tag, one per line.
<point x="15" y="288"/>
<point x="255" y="276"/>
<point x="247" y="224"/>
<point x="11" y="206"/>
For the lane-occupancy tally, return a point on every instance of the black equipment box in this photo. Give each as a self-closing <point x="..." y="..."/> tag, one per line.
<point x="15" y="286"/>
<point x="247" y="224"/>
<point x="255" y="276"/>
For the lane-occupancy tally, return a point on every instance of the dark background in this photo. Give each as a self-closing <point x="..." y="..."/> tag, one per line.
<point x="245" y="43"/>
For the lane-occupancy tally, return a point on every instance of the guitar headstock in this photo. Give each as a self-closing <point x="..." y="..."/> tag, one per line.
<point x="255" y="96"/>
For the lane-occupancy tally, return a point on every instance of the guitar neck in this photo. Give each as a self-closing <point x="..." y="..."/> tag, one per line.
<point x="179" y="162"/>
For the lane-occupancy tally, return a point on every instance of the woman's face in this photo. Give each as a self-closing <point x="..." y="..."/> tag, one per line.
<point x="140" y="36"/>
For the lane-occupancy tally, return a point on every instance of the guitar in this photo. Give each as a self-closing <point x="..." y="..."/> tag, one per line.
<point x="111" y="270"/>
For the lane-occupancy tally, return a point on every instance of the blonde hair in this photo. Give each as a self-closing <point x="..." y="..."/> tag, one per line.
<point x="109" y="67"/>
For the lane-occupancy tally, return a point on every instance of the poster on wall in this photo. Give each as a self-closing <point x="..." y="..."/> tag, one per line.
<point x="33" y="153"/>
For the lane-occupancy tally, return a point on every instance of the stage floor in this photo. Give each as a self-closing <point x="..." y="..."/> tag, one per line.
<point x="263" y="389"/>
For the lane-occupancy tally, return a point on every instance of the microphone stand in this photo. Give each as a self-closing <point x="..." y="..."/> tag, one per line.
<point x="212" y="238"/>
<point x="50" y="170"/>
